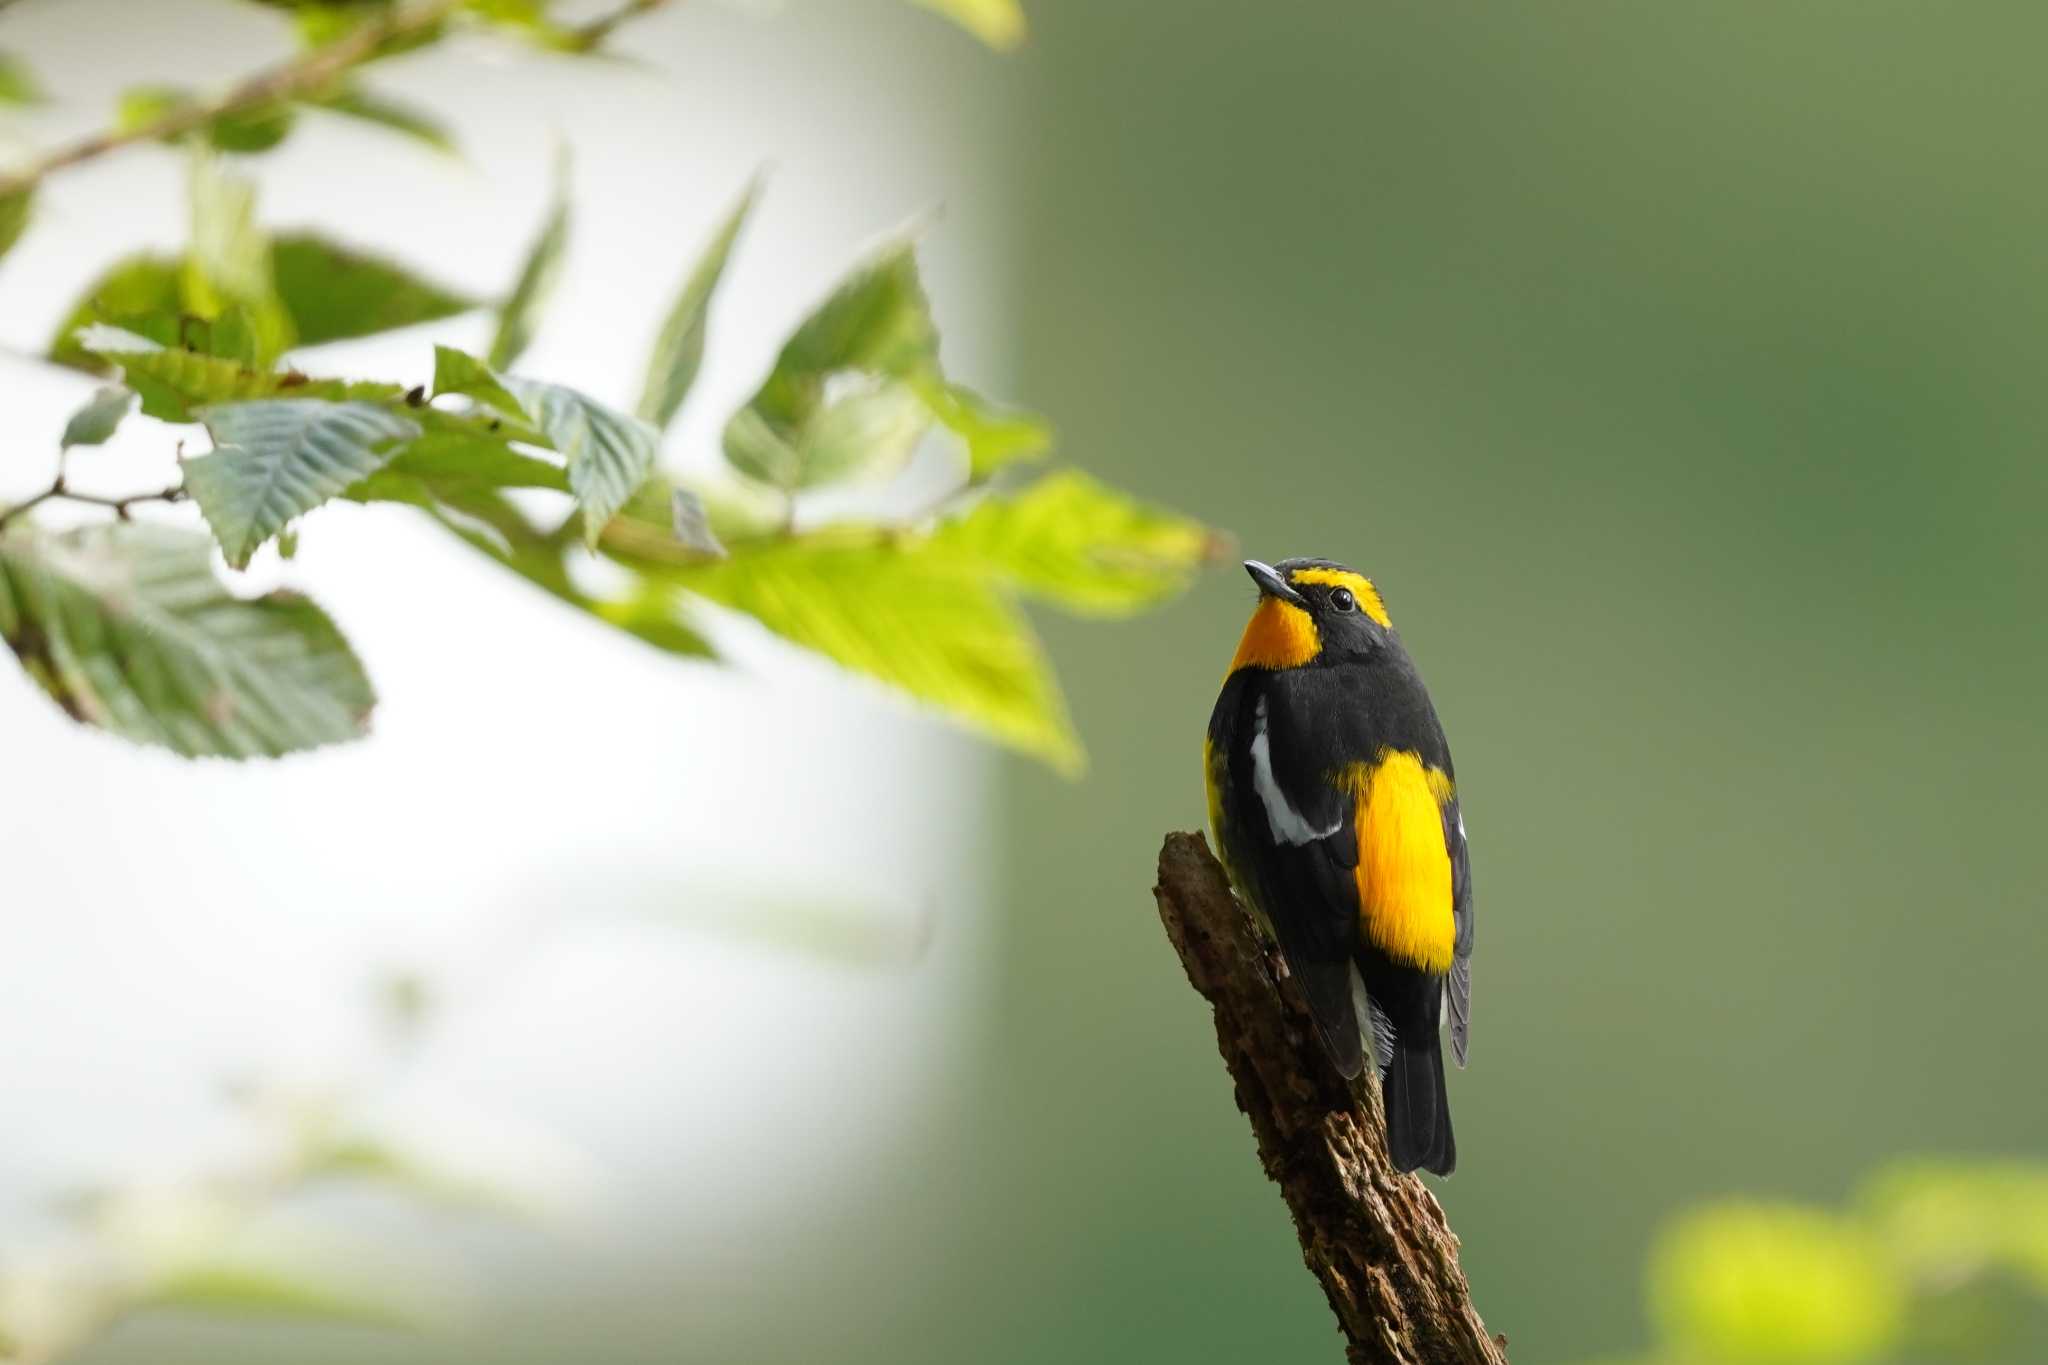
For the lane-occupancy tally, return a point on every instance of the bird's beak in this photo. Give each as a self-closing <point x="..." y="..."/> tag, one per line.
<point x="1272" y="583"/>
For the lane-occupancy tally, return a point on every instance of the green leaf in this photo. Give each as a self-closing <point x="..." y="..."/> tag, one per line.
<point x="16" y="206"/>
<point x="875" y="326"/>
<point x="999" y="23"/>
<point x="333" y="292"/>
<point x="994" y="436"/>
<point x="679" y="348"/>
<point x="141" y="105"/>
<point x="451" y="465"/>
<point x="609" y="454"/>
<point x="918" y="618"/>
<point x="1082" y="544"/>
<point x="229" y="263"/>
<point x="172" y="381"/>
<point x="412" y="1175"/>
<point x="395" y="115"/>
<point x="458" y="372"/>
<point x="252" y="130"/>
<point x="126" y="627"/>
<point x="1773" y="1282"/>
<point x="18" y="85"/>
<point x="519" y="315"/>
<point x="277" y="459"/>
<point x="130" y="288"/>
<point x="94" y="423"/>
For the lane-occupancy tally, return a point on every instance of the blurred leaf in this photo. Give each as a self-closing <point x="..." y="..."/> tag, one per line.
<point x="15" y="209"/>
<point x="692" y="524"/>
<point x="1951" y="1220"/>
<point x="875" y="326"/>
<point x="1082" y="544"/>
<point x="999" y="23"/>
<point x="252" y="130"/>
<point x="451" y="464"/>
<point x="458" y="372"/>
<point x="141" y="105"/>
<point x="679" y="348"/>
<point x="492" y="524"/>
<point x="18" y="84"/>
<point x="407" y="1173"/>
<point x="994" y="436"/>
<point x="1772" y="1283"/>
<point x="911" y="616"/>
<point x="609" y="454"/>
<point x="125" y="626"/>
<point x="396" y="115"/>
<point x="519" y="315"/>
<point x="277" y="459"/>
<point x="97" y="421"/>
<point x="334" y="292"/>
<point x="172" y="381"/>
<point x="132" y="287"/>
<point x="230" y="263"/>
<point x="252" y="1289"/>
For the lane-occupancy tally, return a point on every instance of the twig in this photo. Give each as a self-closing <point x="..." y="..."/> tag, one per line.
<point x="58" y="491"/>
<point x="302" y="75"/>
<point x="1378" y="1241"/>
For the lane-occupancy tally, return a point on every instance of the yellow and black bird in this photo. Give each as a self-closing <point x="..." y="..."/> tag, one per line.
<point x="1333" y="806"/>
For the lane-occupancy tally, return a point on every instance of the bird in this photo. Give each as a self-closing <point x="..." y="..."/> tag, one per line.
<point x="1334" y="808"/>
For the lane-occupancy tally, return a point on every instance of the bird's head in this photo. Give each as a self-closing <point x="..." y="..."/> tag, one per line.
<point x="1311" y="611"/>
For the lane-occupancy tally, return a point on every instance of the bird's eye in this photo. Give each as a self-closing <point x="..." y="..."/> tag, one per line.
<point x="1342" y="600"/>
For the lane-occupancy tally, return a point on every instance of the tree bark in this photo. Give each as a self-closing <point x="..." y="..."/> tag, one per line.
<point x="1377" y="1241"/>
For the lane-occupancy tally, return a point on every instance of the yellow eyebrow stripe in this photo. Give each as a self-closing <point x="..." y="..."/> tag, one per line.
<point x="1361" y="588"/>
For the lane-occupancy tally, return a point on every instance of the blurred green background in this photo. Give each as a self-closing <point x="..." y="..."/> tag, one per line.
<point x="1676" y="371"/>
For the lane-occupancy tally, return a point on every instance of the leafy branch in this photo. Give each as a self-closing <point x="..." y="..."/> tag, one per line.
<point x="126" y="627"/>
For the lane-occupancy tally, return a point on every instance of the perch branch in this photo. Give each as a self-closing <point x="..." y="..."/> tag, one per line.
<point x="1377" y="1241"/>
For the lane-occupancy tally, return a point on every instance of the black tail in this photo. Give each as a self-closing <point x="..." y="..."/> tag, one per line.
<point x="1418" y="1108"/>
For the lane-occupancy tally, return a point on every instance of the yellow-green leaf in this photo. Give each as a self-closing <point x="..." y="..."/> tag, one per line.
<point x="999" y="23"/>
<point x="679" y="347"/>
<point x="1082" y="544"/>
<point x="908" y="615"/>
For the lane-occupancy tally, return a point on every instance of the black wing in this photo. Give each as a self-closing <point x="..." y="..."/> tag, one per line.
<point x="1292" y="845"/>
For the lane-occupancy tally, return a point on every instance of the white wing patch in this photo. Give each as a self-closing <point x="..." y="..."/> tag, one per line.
<point x="1285" y="821"/>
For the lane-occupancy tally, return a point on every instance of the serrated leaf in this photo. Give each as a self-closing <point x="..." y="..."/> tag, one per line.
<point x="460" y="373"/>
<point x="608" y="453"/>
<point x="126" y="628"/>
<point x="999" y="23"/>
<point x="102" y="414"/>
<point x="1082" y="544"/>
<point x="875" y="326"/>
<point x="229" y="263"/>
<point x="519" y="315"/>
<point x="921" y="620"/>
<point x="277" y="459"/>
<point x="993" y="435"/>
<point x="679" y="347"/>
<point x="18" y="85"/>
<point x="868" y="433"/>
<point x="333" y="292"/>
<point x="395" y="115"/>
<point x="16" y="207"/>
